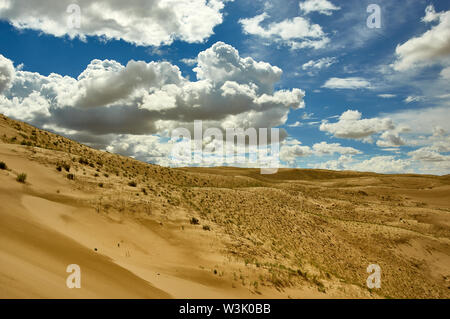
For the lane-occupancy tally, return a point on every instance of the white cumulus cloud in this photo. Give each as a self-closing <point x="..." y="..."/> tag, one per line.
<point x="378" y="164"/>
<point x="347" y="83"/>
<point x="297" y="32"/>
<point x="7" y="73"/>
<point x="351" y="125"/>
<point x="319" y="64"/>
<point x="431" y="47"/>
<point x="322" y="6"/>
<point x="142" y="98"/>
<point x="151" y="22"/>
<point x="324" y="148"/>
<point x="445" y="73"/>
<point x="387" y="96"/>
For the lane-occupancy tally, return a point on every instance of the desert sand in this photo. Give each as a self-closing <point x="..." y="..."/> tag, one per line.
<point x="143" y="231"/>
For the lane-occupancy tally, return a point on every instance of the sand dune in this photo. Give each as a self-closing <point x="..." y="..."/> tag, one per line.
<point x="129" y="226"/>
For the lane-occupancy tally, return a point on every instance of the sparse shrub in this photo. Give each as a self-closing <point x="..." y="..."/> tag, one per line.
<point x="320" y="285"/>
<point x="194" y="221"/>
<point x="83" y="161"/>
<point x="21" y="177"/>
<point x="71" y="177"/>
<point x="303" y="274"/>
<point x="132" y="184"/>
<point x="59" y="168"/>
<point x="100" y="185"/>
<point x="106" y="175"/>
<point x="206" y="227"/>
<point x="3" y="165"/>
<point x="144" y="191"/>
<point x="66" y="167"/>
<point x="96" y="175"/>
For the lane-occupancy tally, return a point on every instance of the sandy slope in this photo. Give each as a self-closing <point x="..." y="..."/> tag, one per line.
<point x="41" y="234"/>
<point x="295" y="234"/>
<point x="34" y="252"/>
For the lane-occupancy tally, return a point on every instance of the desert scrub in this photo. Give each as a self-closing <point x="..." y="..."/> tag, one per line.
<point x="319" y="284"/>
<point x="206" y="227"/>
<point x="71" y="176"/>
<point x="21" y="178"/>
<point x="194" y="221"/>
<point x="3" y="165"/>
<point x="132" y="184"/>
<point x="83" y="161"/>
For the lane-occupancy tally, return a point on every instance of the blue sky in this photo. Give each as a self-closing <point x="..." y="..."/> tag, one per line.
<point x="349" y="97"/>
